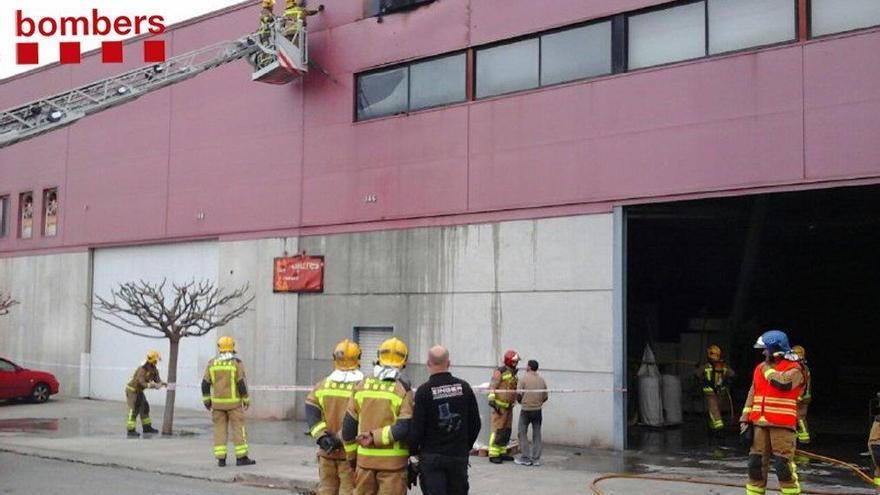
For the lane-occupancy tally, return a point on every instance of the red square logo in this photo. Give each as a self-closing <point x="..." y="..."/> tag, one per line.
<point x="154" y="51"/>
<point x="111" y="52"/>
<point x="70" y="53"/>
<point x="27" y="53"/>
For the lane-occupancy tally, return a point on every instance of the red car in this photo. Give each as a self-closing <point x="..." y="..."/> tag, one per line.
<point x="21" y="383"/>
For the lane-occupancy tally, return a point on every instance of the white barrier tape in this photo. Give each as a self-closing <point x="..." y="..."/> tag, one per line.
<point x="64" y="365"/>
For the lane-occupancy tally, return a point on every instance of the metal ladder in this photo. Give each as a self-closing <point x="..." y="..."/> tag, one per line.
<point x="47" y="114"/>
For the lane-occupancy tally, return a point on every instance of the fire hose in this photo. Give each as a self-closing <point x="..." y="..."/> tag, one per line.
<point x="683" y="479"/>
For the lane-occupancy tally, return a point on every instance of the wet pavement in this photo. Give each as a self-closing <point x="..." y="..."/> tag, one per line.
<point x="93" y="432"/>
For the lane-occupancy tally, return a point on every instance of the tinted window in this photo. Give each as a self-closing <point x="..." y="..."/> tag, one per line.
<point x="738" y="24"/>
<point x="438" y="82"/>
<point x="506" y="68"/>
<point x="6" y="366"/>
<point x="834" y="16"/>
<point x="382" y="93"/>
<point x="669" y="35"/>
<point x="576" y="53"/>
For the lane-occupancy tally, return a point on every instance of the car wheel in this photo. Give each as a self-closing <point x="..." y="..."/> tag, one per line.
<point x="40" y="393"/>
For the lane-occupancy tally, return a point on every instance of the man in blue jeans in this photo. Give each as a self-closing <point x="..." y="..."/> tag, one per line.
<point x="444" y="426"/>
<point x="531" y="393"/>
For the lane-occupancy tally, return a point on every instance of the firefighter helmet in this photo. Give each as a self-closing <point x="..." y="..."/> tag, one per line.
<point x="511" y="358"/>
<point x="153" y="357"/>
<point x="800" y="351"/>
<point x="393" y="352"/>
<point x="293" y="3"/>
<point x="774" y="341"/>
<point x="713" y="353"/>
<point x="347" y="355"/>
<point x="268" y="4"/>
<point x="226" y="344"/>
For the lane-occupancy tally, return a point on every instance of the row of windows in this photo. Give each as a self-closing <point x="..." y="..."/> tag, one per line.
<point x="26" y="214"/>
<point x="672" y="33"/>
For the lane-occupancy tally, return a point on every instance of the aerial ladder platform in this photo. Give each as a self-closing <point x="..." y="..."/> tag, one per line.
<point x="275" y="60"/>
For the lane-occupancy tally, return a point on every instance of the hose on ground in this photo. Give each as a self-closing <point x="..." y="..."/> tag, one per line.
<point x="684" y="479"/>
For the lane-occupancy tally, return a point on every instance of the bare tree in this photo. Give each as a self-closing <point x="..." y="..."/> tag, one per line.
<point x="192" y="310"/>
<point x="6" y="302"/>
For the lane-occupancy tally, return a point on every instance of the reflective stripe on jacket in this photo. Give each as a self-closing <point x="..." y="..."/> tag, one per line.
<point x="377" y="405"/>
<point x="331" y="398"/>
<point x="224" y="377"/>
<point x="771" y="406"/>
<point x="502" y="387"/>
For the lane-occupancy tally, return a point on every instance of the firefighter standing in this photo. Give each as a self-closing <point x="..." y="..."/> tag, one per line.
<point x="769" y="417"/>
<point x="502" y="395"/>
<point x="716" y="377"/>
<point x="267" y="17"/>
<point x="377" y="422"/>
<point x="144" y="377"/>
<point x="803" y="431"/>
<point x="325" y="410"/>
<point x="295" y="17"/>
<point x="874" y="448"/>
<point x="225" y="394"/>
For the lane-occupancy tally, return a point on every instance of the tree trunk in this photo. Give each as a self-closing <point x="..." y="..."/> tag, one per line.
<point x="168" y="419"/>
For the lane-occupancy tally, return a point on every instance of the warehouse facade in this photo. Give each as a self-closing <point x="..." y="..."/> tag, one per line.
<point x="465" y="168"/>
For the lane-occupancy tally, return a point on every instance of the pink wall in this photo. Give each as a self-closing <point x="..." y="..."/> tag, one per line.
<point x="256" y="158"/>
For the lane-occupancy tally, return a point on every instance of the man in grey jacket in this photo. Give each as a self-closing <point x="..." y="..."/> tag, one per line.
<point x="531" y="394"/>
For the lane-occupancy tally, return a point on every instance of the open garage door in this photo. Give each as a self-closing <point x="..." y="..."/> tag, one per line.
<point x="116" y="354"/>
<point x="721" y="271"/>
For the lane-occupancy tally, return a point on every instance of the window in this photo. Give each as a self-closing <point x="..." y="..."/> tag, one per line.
<point x="382" y="93"/>
<point x="4" y="215"/>
<point x="369" y="339"/>
<point x="507" y="68"/>
<point x="26" y="215"/>
<point x="668" y="35"/>
<point x="576" y="53"/>
<point x="835" y="16"/>
<point x="50" y="212"/>
<point x="429" y="83"/>
<point x="440" y="81"/>
<point x="6" y="366"/>
<point x="738" y="24"/>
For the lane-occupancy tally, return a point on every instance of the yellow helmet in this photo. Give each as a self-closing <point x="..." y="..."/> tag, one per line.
<point x="799" y="350"/>
<point x="226" y="344"/>
<point x="268" y="4"/>
<point x="347" y="355"/>
<point x="153" y="357"/>
<point x="393" y="352"/>
<point x="713" y="353"/>
<point x="292" y="3"/>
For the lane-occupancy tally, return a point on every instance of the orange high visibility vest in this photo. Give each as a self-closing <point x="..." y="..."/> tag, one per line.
<point x="771" y="405"/>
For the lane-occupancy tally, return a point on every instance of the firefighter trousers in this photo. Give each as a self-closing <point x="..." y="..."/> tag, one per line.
<point x="137" y="407"/>
<point x="499" y="436"/>
<point x="335" y="477"/>
<point x="803" y="431"/>
<point x="772" y="445"/>
<point x="713" y="410"/>
<point x="375" y="482"/>
<point x="874" y="447"/>
<point x="225" y="421"/>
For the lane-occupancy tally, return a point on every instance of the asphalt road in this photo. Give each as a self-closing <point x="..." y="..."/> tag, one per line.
<point x="35" y="476"/>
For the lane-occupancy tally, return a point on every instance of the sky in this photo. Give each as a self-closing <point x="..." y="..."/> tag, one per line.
<point x="172" y="10"/>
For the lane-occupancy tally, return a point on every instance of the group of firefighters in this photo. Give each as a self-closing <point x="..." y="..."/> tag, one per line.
<point x="360" y="424"/>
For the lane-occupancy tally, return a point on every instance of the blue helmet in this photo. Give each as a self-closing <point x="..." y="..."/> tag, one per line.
<point x="775" y="341"/>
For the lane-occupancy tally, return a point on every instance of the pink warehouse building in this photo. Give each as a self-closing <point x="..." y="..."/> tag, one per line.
<point x="486" y="174"/>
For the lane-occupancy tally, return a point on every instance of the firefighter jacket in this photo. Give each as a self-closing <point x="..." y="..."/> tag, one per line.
<point x="716" y="377"/>
<point x="772" y="400"/>
<point x="224" y="383"/>
<point x="142" y="377"/>
<point x="502" y="387"/>
<point x="325" y="410"/>
<point x="383" y="408"/>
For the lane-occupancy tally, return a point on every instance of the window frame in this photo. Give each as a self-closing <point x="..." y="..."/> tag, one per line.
<point x="6" y="202"/>
<point x="45" y="211"/>
<point x="19" y="216"/>
<point x="407" y="65"/>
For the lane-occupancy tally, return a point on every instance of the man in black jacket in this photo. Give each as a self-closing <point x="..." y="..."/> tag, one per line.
<point x="445" y="425"/>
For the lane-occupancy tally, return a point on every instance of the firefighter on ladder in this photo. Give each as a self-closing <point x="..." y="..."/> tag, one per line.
<point x="716" y="377"/>
<point x="769" y="418"/>
<point x="325" y="411"/>
<point x="502" y="395"/>
<point x="225" y="394"/>
<point x="803" y="431"/>
<point x="377" y="424"/>
<point x="295" y="17"/>
<point x="146" y="376"/>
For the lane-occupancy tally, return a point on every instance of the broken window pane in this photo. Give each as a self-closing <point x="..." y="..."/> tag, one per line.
<point x="382" y="93"/>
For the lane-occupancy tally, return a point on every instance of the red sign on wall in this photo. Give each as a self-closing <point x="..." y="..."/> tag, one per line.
<point x="299" y="273"/>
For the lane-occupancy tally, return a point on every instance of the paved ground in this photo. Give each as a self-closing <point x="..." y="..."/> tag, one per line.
<point x="92" y="433"/>
<point x="33" y="475"/>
